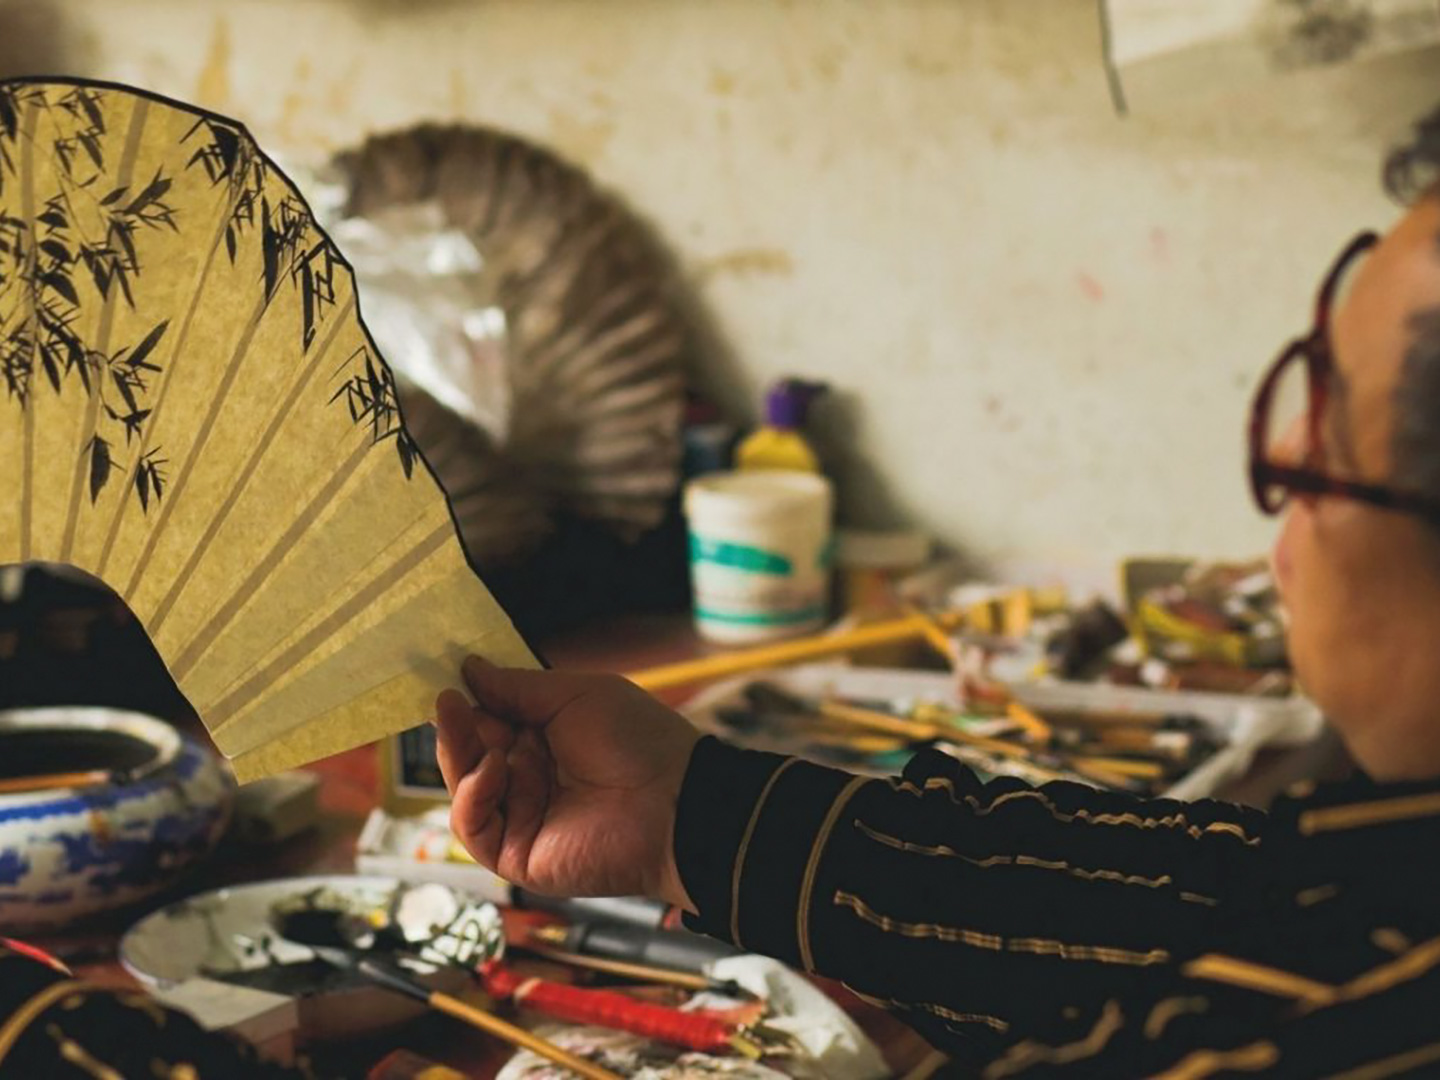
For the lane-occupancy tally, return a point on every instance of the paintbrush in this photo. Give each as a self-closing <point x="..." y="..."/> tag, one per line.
<point x="627" y="969"/>
<point x="390" y="979"/>
<point x="332" y="937"/>
<point x="20" y="785"/>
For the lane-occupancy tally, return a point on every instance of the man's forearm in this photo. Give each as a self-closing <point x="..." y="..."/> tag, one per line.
<point x="939" y="893"/>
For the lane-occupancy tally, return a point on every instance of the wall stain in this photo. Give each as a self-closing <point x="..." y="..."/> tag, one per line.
<point x="745" y="263"/>
<point x="212" y="89"/>
<point x="1090" y="286"/>
<point x="829" y="63"/>
<point x="583" y="141"/>
<point x="458" y="94"/>
<point x="337" y="94"/>
<point x="925" y="64"/>
<point x="722" y="82"/>
<point x="293" y="105"/>
<point x="1159" y="245"/>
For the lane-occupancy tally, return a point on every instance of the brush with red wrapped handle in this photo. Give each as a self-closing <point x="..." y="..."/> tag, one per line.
<point x="619" y="1012"/>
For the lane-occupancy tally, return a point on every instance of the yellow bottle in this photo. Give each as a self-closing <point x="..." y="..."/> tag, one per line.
<point x="779" y="444"/>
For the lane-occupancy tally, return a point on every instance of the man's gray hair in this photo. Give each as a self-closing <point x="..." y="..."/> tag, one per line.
<point x="1413" y="172"/>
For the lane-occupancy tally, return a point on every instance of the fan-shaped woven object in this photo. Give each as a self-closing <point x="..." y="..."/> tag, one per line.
<point x="590" y="337"/>
<point x="194" y="413"/>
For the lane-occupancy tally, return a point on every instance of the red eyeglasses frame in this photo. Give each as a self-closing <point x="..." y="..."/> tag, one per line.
<point x="1272" y="483"/>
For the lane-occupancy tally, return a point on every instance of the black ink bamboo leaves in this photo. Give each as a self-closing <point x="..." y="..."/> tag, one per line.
<point x="84" y="234"/>
<point x="73" y="228"/>
<point x="291" y="247"/>
<point x="370" y="396"/>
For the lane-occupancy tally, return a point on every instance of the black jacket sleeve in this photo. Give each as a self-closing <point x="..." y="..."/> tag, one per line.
<point x="978" y="910"/>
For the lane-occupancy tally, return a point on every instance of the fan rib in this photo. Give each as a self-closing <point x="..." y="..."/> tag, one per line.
<point x="27" y="212"/>
<point x="125" y="172"/>
<point x="242" y="480"/>
<point x="207" y="634"/>
<point x="181" y="339"/>
<point x="202" y="436"/>
<point x="217" y="716"/>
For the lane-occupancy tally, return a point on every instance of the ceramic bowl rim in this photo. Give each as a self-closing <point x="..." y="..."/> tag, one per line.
<point x="167" y="741"/>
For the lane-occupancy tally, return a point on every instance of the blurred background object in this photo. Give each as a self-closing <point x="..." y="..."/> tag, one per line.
<point x="963" y="258"/>
<point x="530" y="319"/>
<point x="1174" y="47"/>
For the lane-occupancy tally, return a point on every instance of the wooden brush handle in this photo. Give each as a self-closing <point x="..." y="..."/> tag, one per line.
<point x="18" y="785"/>
<point x="918" y="729"/>
<point x="788" y="652"/>
<point x="686" y="980"/>
<point x="518" y="1036"/>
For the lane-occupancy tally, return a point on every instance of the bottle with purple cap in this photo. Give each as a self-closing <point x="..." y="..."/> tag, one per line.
<point x="779" y="444"/>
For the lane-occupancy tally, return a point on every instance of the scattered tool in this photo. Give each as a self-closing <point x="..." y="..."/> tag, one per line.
<point x="908" y="628"/>
<point x="1128" y="753"/>
<point x="607" y="1008"/>
<point x="20" y="785"/>
<point x="330" y="935"/>
<point x="392" y="979"/>
<point x="677" y="950"/>
<point x="685" y="980"/>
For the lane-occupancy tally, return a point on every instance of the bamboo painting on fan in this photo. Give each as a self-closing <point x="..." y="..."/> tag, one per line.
<point x="193" y="412"/>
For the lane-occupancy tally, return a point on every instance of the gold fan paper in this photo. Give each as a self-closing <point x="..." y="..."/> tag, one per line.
<point x="194" y="413"/>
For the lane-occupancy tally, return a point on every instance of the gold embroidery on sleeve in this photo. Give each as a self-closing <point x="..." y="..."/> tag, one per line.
<point x="941" y="1011"/>
<point x="1170" y="1008"/>
<point x="1202" y="1063"/>
<point x="1415" y="963"/>
<point x="944" y="851"/>
<point x="1395" y="1065"/>
<point x="1391" y="940"/>
<point x="78" y="1056"/>
<point x="1024" y="1054"/>
<point x="812" y="867"/>
<point x="1312" y="994"/>
<point x="890" y="1004"/>
<point x="745" y="847"/>
<point x="1317" y="895"/>
<point x="955" y="935"/>
<point x="1169" y="821"/>
<point x="1260" y="977"/>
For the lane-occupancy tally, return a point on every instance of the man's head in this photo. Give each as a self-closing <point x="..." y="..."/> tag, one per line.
<point x="1362" y="583"/>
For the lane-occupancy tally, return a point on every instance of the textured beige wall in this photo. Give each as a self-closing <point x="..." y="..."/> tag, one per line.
<point x="1045" y="320"/>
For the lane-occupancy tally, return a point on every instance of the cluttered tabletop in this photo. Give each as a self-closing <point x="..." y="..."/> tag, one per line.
<point x="863" y="697"/>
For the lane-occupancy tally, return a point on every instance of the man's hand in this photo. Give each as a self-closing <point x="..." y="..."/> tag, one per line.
<point x="565" y="784"/>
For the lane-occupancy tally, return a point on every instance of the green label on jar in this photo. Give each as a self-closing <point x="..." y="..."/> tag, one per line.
<point x="753" y="560"/>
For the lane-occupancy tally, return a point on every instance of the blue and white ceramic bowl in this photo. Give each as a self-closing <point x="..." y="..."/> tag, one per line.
<point x="66" y="853"/>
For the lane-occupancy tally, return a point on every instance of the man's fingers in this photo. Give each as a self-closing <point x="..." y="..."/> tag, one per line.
<point x="477" y="814"/>
<point x="521" y="695"/>
<point x="529" y="789"/>
<point x="463" y="735"/>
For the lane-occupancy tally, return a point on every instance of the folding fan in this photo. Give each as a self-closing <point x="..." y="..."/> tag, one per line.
<point x="195" y="414"/>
